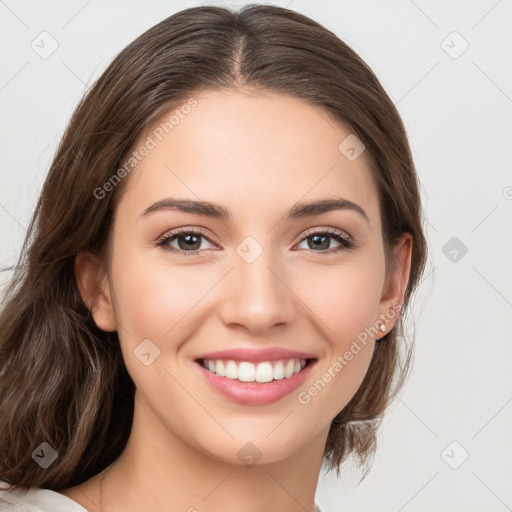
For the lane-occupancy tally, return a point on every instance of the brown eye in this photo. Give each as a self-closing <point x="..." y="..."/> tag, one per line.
<point x="322" y="242"/>
<point x="186" y="241"/>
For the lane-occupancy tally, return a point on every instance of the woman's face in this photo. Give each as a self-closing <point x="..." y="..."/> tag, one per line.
<point x="262" y="285"/>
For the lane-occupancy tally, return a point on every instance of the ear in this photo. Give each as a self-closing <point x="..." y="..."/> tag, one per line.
<point x="95" y="290"/>
<point x="396" y="284"/>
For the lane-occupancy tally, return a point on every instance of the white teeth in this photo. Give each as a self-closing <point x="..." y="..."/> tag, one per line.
<point x="231" y="370"/>
<point x="246" y="372"/>
<point x="220" y="369"/>
<point x="288" y="370"/>
<point x="264" y="372"/>
<point x="279" y="370"/>
<point x="249" y="372"/>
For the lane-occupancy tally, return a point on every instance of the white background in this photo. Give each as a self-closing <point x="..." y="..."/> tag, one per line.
<point x="457" y="113"/>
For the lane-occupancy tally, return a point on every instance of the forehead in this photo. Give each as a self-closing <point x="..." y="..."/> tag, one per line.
<point x="251" y="151"/>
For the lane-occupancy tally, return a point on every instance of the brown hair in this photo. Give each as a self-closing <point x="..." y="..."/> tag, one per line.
<point x="62" y="379"/>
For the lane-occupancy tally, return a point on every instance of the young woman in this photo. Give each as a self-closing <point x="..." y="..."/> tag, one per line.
<point x="210" y="299"/>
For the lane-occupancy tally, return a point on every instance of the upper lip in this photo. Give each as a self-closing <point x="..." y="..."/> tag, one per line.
<point x="256" y="355"/>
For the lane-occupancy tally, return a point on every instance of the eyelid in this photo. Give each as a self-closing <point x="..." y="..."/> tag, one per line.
<point x="163" y="240"/>
<point x="188" y="229"/>
<point x="331" y="231"/>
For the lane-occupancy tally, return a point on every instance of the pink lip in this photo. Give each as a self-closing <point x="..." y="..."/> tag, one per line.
<point x="256" y="355"/>
<point x="254" y="393"/>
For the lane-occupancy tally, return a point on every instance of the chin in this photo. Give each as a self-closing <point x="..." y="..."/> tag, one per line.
<point x="260" y="442"/>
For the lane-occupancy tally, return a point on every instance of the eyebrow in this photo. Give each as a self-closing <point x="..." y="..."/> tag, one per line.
<point x="216" y="211"/>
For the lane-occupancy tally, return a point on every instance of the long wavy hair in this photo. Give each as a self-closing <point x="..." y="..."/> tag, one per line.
<point x="63" y="380"/>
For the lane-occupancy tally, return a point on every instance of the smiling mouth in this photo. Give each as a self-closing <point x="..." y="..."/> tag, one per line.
<point x="262" y="372"/>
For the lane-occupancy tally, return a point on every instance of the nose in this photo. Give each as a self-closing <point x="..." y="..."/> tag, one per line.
<point x="255" y="295"/>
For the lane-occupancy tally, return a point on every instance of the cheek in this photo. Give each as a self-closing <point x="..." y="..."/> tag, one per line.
<point x="354" y="309"/>
<point x="152" y="298"/>
<point x="159" y="302"/>
<point x="345" y="298"/>
<point x="153" y="302"/>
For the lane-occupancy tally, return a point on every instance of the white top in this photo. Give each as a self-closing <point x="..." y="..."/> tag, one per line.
<point x="35" y="499"/>
<point x="42" y="500"/>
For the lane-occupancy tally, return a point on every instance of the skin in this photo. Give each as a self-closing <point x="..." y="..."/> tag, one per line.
<point x="256" y="155"/>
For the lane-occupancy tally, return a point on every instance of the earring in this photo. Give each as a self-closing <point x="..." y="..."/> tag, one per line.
<point x="382" y="327"/>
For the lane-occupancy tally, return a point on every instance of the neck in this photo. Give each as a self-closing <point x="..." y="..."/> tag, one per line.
<point x="157" y="470"/>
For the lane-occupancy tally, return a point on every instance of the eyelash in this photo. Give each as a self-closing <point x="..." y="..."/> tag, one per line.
<point x="345" y="241"/>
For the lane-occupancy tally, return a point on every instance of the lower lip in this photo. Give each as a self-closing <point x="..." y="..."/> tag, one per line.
<point x="255" y="393"/>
